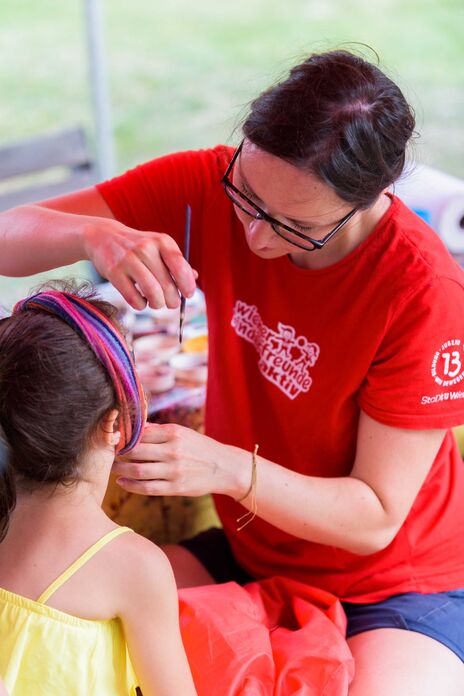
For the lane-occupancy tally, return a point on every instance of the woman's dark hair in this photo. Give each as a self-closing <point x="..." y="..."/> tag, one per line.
<point x="340" y="118"/>
<point x="53" y="394"/>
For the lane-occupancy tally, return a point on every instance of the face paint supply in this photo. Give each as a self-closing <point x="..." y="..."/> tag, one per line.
<point x="190" y="367"/>
<point x="188" y="219"/>
<point x="155" y="348"/>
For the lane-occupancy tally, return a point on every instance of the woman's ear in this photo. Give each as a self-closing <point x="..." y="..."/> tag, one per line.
<point x="108" y="428"/>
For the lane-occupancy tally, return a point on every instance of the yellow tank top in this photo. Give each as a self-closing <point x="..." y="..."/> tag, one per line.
<point x="46" y="652"/>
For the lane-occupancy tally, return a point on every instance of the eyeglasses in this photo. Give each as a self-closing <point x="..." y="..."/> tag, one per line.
<point x="288" y="233"/>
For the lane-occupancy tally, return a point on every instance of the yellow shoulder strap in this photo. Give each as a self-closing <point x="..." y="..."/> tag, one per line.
<point x="87" y="555"/>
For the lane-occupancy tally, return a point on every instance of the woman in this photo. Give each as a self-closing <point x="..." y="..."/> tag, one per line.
<point x="335" y="345"/>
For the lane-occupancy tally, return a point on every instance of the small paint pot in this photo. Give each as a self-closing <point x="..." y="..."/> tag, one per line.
<point x="155" y="348"/>
<point x="190" y="367"/>
<point x="156" y="378"/>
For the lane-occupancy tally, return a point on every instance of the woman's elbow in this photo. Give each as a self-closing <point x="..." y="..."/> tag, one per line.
<point x="373" y="542"/>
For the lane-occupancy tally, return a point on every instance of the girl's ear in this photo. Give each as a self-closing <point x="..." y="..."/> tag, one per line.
<point x="108" y="428"/>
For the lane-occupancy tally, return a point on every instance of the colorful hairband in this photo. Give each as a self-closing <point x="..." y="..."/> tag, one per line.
<point x="111" y="350"/>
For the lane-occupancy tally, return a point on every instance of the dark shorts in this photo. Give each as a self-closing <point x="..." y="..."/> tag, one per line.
<point x="439" y="615"/>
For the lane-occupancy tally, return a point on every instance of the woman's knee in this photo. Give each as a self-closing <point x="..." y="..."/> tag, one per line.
<point x="188" y="570"/>
<point x="397" y="662"/>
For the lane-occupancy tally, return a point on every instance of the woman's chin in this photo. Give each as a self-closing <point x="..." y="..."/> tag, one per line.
<point x="266" y="252"/>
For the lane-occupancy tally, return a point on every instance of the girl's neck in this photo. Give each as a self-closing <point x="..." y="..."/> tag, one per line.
<point x="49" y="529"/>
<point x="62" y="505"/>
<point x="59" y="507"/>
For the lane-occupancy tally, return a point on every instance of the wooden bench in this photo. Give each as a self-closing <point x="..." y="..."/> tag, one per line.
<point x="63" y="158"/>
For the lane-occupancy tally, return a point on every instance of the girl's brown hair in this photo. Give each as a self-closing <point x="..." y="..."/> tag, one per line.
<point x="53" y="394"/>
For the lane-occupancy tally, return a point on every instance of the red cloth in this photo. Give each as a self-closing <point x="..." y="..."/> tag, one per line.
<point x="296" y="353"/>
<point x="276" y="637"/>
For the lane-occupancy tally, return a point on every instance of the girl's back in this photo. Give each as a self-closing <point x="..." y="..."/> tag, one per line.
<point x="37" y="550"/>
<point x="93" y="656"/>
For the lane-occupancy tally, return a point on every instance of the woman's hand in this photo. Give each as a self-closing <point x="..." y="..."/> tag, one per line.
<point x="143" y="266"/>
<point x="174" y="460"/>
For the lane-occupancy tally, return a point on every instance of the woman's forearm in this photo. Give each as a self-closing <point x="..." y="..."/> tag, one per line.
<point x="144" y="266"/>
<point x="343" y="512"/>
<point x="361" y="512"/>
<point x="34" y="239"/>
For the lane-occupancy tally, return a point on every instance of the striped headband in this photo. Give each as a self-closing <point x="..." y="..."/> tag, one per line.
<point x="111" y="350"/>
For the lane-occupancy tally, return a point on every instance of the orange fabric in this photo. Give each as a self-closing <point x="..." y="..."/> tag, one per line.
<point x="275" y="637"/>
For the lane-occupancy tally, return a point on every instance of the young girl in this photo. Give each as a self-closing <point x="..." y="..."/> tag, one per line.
<point x="86" y="607"/>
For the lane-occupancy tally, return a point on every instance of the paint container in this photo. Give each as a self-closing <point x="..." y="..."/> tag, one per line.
<point x="155" y="348"/>
<point x="190" y="367"/>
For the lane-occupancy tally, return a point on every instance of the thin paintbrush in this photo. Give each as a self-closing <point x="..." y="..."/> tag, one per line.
<point x="188" y="217"/>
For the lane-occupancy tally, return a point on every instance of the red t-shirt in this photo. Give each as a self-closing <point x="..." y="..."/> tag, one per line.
<point x="296" y="353"/>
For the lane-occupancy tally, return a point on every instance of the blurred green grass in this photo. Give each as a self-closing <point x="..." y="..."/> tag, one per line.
<point x="182" y="72"/>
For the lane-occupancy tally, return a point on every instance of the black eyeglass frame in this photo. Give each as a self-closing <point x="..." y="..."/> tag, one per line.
<point x="262" y="215"/>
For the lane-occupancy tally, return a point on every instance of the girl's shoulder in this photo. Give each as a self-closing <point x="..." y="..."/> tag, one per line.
<point x="141" y="566"/>
<point x="98" y="584"/>
<point x="135" y="545"/>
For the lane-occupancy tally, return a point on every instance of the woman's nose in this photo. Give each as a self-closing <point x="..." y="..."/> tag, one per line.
<point x="261" y="229"/>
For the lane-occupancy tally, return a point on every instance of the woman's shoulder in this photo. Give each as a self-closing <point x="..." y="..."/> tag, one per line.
<point x="150" y="195"/>
<point x="214" y="159"/>
<point x="420" y="245"/>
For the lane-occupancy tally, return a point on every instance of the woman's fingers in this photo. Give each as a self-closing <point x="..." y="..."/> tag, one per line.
<point x="152" y="280"/>
<point x="182" y="459"/>
<point x="153" y="256"/>
<point x="160" y="443"/>
<point x="162" y="259"/>
<point x="149" y="453"/>
<point x="152" y="487"/>
<point x="129" y="290"/>
<point x="149" y="285"/>
<point x="157" y="433"/>
<point x="183" y="274"/>
<point x="142" y="471"/>
<point x="143" y="266"/>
